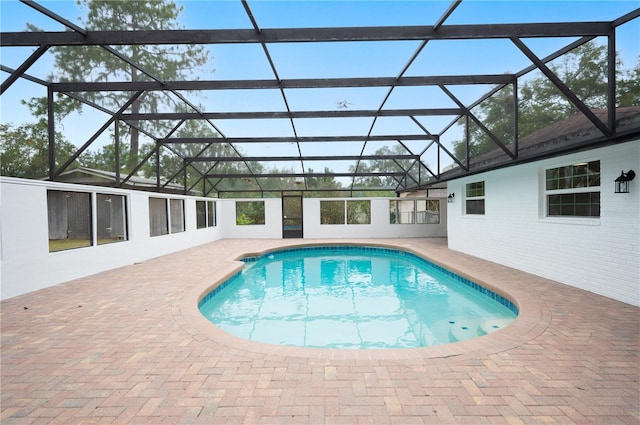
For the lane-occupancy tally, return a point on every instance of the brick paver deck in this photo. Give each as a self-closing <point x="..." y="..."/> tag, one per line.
<point x="128" y="346"/>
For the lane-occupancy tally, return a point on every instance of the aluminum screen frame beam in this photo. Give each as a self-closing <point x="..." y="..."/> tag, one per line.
<point x="294" y="114"/>
<point x="301" y="35"/>
<point x="302" y="175"/>
<point x="297" y="158"/>
<point x="290" y="139"/>
<point x="294" y="83"/>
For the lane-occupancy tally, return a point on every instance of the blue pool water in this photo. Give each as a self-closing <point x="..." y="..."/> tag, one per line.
<point x="353" y="297"/>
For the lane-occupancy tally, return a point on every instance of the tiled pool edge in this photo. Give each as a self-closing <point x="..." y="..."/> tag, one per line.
<point x="532" y="320"/>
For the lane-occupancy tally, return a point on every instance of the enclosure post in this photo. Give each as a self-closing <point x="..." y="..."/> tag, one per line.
<point x="438" y="154"/>
<point x="515" y="117"/>
<point x="158" y="165"/>
<point x="611" y="80"/>
<point x="116" y="146"/>
<point x="186" y="164"/>
<point x="466" y="137"/>
<point x="52" y="134"/>
<point x="93" y="213"/>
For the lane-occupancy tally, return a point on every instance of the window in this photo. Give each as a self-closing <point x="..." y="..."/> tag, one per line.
<point x="201" y="214"/>
<point x="428" y="211"/>
<point x="474" y="199"/>
<point x="205" y="214"/>
<point x="349" y="212"/>
<point x="249" y="213"/>
<point x="332" y="212"/>
<point x="177" y="215"/>
<point x="402" y="212"/>
<point x="410" y="211"/>
<point x="158" y="218"/>
<point x="111" y="213"/>
<point x="69" y="219"/>
<point x="211" y="214"/>
<point x="359" y="212"/>
<point x="569" y="190"/>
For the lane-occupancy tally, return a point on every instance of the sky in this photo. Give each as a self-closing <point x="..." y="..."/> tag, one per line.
<point x="327" y="60"/>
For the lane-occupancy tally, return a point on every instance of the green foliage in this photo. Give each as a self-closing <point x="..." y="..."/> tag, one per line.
<point x="62" y="106"/>
<point x="629" y="87"/>
<point x="24" y="150"/>
<point x="332" y="212"/>
<point x="359" y="212"/>
<point x="250" y="213"/>
<point x="382" y="165"/>
<point x="93" y="63"/>
<point x="541" y="103"/>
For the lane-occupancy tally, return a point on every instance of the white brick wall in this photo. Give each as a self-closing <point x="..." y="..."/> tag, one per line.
<point x="600" y="255"/>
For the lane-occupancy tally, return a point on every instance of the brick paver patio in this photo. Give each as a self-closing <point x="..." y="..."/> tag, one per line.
<point x="129" y="346"/>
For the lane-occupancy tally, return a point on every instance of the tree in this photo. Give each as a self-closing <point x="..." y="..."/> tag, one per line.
<point x="386" y="165"/>
<point x="25" y="149"/>
<point x="541" y="103"/>
<point x="324" y="185"/>
<point x="105" y="158"/>
<point x="93" y="63"/>
<point x="497" y="115"/>
<point x="629" y="87"/>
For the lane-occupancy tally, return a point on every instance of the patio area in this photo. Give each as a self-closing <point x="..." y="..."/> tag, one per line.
<point x="128" y="346"/>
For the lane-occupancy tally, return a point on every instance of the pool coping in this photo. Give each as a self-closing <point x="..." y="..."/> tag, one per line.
<point x="533" y="317"/>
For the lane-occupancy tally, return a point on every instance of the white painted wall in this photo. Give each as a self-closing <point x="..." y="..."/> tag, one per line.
<point x="271" y="229"/>
<point x="27" y="265"/>
<point x="600" y="255"/>
<point x="380" y="226"/>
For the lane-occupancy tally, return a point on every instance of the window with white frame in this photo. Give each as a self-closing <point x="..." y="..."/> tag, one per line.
<point x="158" y="217"/>
<point x="211" y="214"/>
<point x="201" y="214"/>
<point x="573" y="190"/>
<point x="69" y="216"/>
<point x="250" y="213"/>
<point x="176" y="210"/>
<point x="111" y="215"/>
<point x="359" y="212"/>
<point x="349" y="212"/>
<point x="474" y="198"/>
<point x="428" y="211"/>
<point x="205" y="214"/>
<point x="410" y="211"/>
<point x="402" y="211"/>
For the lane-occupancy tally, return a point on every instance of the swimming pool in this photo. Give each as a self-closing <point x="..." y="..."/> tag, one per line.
<point x="353" y="297"/>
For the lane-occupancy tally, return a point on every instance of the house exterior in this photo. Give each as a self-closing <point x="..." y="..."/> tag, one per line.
<point x="558" y="217"/>
<point x="92" y="176"/>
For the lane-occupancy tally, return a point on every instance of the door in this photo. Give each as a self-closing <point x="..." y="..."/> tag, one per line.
<point x="291" y="216"/>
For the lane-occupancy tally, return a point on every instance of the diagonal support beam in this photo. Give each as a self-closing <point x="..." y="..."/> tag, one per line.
<point x="54" y="16"/>
<point x="440" y="145"/>
<point x="479" y="124"/>
<point x="23" y="68"/>
<point x="561" y="86"/>
<point x="97" y="134"/>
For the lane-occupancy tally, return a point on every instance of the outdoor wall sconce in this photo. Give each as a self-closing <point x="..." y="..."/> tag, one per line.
<point x="450" y="198"/>
<point x="622" y="182"/>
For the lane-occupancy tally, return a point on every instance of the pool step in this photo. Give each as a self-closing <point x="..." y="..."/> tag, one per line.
<point x="493" y="325"/>
<point x="466" y="328"/>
